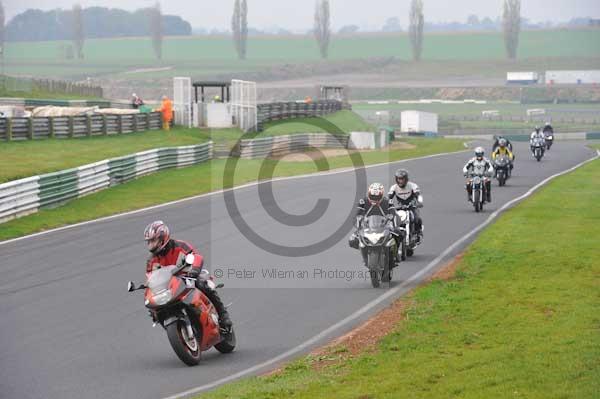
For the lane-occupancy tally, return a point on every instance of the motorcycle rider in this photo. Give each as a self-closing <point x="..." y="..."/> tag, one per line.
<point x="408" y="193"/>
<point x="536" y="134"/>
<point x="167" y="252"/>
<point x="548" y="129"/>
<point x="479" y="165"/>
<point x="497" y="143"/>
<point x="503" y="150"/>
<point x="372" y="204"/>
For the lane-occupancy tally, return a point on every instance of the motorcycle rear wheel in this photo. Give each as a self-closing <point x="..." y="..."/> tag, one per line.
<point x="186" y="348"/>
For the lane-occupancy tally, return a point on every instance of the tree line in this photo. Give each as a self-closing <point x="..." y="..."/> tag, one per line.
<point x="96" y="22"/>
<point x="511" y="26"/>
<point x="78" y="24"/>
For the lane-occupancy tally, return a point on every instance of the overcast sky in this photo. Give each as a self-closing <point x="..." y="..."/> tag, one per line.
<point x="298" y="14"/>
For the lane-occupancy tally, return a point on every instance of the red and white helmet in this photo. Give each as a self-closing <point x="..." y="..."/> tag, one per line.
<point x="375" y="193"/>
<point x="157" y="236"/>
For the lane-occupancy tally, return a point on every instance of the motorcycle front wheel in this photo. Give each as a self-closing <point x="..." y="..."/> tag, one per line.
<point x="477" y="201"/>
<point x="373" y="263"/>
<point x="186" y="348"/>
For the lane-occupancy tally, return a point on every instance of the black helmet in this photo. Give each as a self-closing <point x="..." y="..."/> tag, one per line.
<point x="401" y="177"/>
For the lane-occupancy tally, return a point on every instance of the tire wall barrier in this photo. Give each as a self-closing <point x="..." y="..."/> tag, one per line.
<point x="22" y="197"/>
<point x="77" y="126"/>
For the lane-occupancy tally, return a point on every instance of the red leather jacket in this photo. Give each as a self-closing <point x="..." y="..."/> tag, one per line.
<point x="173" y="254"/>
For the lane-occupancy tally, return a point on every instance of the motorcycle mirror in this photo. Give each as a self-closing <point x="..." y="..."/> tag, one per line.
<point x="130" y="286"/>
<point x="190" y="258"/>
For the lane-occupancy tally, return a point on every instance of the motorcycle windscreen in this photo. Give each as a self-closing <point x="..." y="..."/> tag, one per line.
<point x="160" y="278"/>
<point x="374" y="223"/>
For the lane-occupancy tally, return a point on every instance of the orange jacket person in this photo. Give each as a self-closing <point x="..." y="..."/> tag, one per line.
<point x="167" y="112"/>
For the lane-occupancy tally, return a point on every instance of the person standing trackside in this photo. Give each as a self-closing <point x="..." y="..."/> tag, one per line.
<point x="167" y="112"/>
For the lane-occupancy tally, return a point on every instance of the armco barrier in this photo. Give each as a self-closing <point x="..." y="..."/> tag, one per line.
<point x="593" y="136"/>
<point x="26" y="196"/>
<point x="279" y="111"/>
<point x="280" y="145"/>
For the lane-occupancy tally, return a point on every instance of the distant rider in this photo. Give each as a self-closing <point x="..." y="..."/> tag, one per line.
<point x="536" y="135"/>
<point x="168" y="252"/>
<point x="503" y="150"/>
<point x="407" y="193"/>
<point x="480" y="166"/>
<point x="497" y="143"/>
<point x="548" y="129"/>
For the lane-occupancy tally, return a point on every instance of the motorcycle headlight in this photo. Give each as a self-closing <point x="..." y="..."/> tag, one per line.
<point x="374" y="238"/>
<point x="163" y="297"/>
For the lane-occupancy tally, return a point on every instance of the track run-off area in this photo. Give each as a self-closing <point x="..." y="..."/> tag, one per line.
<point x="70" y="329"/>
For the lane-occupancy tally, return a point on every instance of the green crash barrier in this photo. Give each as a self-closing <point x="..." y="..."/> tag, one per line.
<point x="59" y="187"/>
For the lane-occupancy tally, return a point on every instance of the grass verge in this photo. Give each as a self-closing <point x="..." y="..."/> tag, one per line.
<point x="182" y="183"/>
<point x="518" y="319"/>
<point x="19" y="159"/>
<point x="16" y="160"/>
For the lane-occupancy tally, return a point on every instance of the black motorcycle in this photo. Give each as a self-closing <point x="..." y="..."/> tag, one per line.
<point x="549" y="137"/>
<point x="377" y="243"/>
<point x="502" y="169"/>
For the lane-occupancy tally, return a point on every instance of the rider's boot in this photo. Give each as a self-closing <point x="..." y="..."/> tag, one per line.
<point x="224" y="320"/>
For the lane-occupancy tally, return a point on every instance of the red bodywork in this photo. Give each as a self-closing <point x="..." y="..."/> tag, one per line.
<point x="194" y="298"/>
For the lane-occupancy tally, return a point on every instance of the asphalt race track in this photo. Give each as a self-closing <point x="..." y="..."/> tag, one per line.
<point x="69" y="329"/>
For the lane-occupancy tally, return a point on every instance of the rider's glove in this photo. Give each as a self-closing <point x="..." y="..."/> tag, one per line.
<point x="194" y="273"/>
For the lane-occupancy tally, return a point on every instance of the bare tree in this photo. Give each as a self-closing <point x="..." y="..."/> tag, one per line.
<point x="78" y="30"/>
<point x="2" y="29"/>
<point x="239" y="27"/>
<point x="415" y="30"/>
<point x="156" y="30"/>
<point x="322" y="28"/>
<point x="244" y="29"/>
<point x="236" y="28"/>
<point x="511" y="25"/>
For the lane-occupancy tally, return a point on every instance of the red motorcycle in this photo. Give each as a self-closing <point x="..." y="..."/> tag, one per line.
<point x="187" y="315"/>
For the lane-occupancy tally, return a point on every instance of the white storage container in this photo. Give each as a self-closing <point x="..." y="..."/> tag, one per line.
<point x="522" y="77"/>
<point x="418" y="122"/>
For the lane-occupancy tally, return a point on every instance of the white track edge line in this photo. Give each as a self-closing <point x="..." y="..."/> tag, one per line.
<point x="381" y="298"/>
<point x="176" y="202"/>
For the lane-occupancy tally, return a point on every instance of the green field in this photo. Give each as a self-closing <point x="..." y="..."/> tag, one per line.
<point x="476" y="109"/>
<point x="211" y="55"/>
<point x="519" y="319"/>
<point x="59" y="154"/>
<point x="182" y="183"/>
<point x="564" y="117"/>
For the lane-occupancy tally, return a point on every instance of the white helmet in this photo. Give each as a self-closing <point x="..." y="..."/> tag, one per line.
<point x="375" y="193"/>
<point x="479" y="153"/>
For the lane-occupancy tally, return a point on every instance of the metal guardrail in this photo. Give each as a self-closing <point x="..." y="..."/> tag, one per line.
<point x="280" y="145"/>
<point x="26" y="196"/>
<point x="76" y="126"/>
<point x="289" y="110"/>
